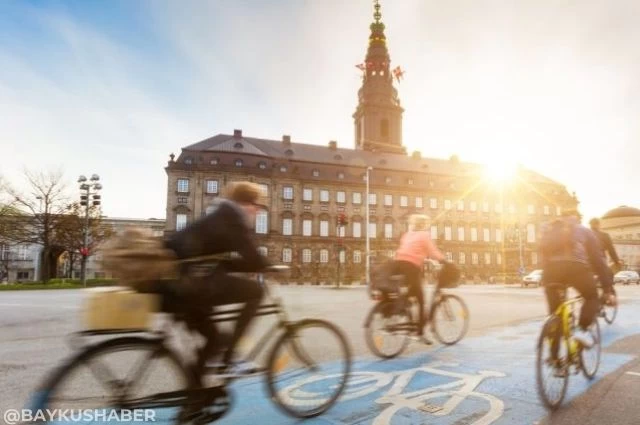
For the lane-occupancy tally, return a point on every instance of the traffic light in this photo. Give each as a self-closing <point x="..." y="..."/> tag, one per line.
<point x="342" y="219"/>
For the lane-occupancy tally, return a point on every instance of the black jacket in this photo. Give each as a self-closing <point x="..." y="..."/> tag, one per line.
<point x="222" y="231"/>
<point x="607" y="245"/>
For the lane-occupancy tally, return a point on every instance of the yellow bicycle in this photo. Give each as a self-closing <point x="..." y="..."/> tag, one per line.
<point x="559" y="354"/>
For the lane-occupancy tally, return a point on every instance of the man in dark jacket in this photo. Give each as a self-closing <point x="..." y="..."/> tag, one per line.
<point x="570" y="255"/>
<point x="227" y="229"/>
<point x="606" y="246"/>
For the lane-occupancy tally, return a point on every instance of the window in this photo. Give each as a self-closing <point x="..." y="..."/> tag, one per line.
<point x="21" y="275"/>
<point x="388" y="230"/>
<point x="546" y="210"/>
<point x="214" y="161"/>
<point x="287" y="226"/>
<point x="181" y="221"/>
<point x="324" y="228"/>
<point x="306" y="255"/>
<point x="356" y="198"/>
<point x="342" y="231"/>
<point x="473" y="206"/>
<point x="534" y="258"/>
<point x="418" y="201"/>
<point x="188" y="161"/>
<point x="183" y="185"/>
<point x="388" y="200"/>
<point x="373" y="199"/>
<point x="261" y="222"/>
<point x="22" y="252"/>
<point x="384" y="129"/>
<point x="387" y="180"/>
<point x="410" y="181"/>
<point x="486" y="236"/>
<point x="487" y="258"/>
<point x="342" y="256"/>
<point x="306" y="227"/>
<point x="461" y="205"/>
<point x="264" y="190"/>
<point x="357" y="257"/>
<point x="433" y="203"/>
<point x="324" y="255"/>
<point x="183" y="199"/>
<point x="262" y="165"/>
<point x="324" y="196"/>
<point x="307" y="194"/>
<point x="498" y="235"/>
<point x="447" y="204"/>
<point x="404" y="201"/>
<point x="447" y="233"/>
<point x="238" y="163"/>
<point x="210" y="209"/>
<point x="263" y="251"/>
<point x="341" y="176"/>
<point x="531" y="209"/>
<point x="499" y="258"/>
<point x="357" y="229"/>
<point x="373" y="230"/>
<point x="474" y="258"/>
<point x="461" y="233"/>
<point x="474" y="234"/>
<point x="341" y="197"/>
<point x="434" y="232"/>
<point x="212" y="186"/>
<point x="462" y="258"/>
<point x="316" y="173"/>
<point x="531" y="233"/>
<point x="485" y="206"/>
<point x="287" y="192"/>
<point x="286" y="255"/>
<point x="449" y="256"/>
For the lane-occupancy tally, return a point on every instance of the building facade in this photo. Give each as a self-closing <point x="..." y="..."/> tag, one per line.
<point x="623" y="225"/>
<point x="483" y="227"/>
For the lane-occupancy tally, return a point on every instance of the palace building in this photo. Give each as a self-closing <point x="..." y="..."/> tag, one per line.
<point x="485" y="228"/>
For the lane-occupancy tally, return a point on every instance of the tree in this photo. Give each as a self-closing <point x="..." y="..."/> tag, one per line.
<point x="70" y="232"/>
<point x="42" y="209"/>
<point x="8" y="216"/>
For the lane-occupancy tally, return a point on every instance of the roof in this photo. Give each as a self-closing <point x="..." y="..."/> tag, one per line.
<point x="622" y="212"/>
<point x="277" y="149"/>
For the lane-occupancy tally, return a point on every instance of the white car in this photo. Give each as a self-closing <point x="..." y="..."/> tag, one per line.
<point x="626" y="277"/>
<point x="533" y="278"/>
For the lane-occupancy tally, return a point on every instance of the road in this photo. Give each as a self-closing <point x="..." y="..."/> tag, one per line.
<point x="505" y="322"/>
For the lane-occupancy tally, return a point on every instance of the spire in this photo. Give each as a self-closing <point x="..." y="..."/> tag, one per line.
<point x="378" y="117"/>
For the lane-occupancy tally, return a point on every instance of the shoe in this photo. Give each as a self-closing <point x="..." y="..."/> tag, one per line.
<point x="583" y="337"/>
<point x="242" y="368"/>
<point x="422" y="339"/>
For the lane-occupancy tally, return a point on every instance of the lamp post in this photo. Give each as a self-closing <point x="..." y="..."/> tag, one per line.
<point x="367" y="248"/>
<point x="88" y="190"/>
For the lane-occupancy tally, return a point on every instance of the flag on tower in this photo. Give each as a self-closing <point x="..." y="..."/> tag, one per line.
<point x="398" y="73"/>
<point x="361" y="66"/>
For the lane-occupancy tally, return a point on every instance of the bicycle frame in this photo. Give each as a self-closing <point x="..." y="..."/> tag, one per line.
<point x="565" y="312"/>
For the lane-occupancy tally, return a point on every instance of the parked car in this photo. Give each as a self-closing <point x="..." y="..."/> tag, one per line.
<point x="626" y="277"/>
<point x="533" y="278"/>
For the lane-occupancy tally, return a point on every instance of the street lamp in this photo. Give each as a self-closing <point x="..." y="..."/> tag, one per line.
<point x="367" y="250"/>
<point x="89" y="196"/>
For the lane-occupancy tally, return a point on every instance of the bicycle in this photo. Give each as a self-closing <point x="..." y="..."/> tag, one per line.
<point x="394" y="317"/>
<point x="557" y="350"/>
<point x="186" y="400"/>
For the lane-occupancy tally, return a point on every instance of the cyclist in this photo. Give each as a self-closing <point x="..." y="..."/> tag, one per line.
<point x="606" y="245"/>
<point x="227" y="229"/>
<point x="416" y="246"/>
<point x="570" y="254"/>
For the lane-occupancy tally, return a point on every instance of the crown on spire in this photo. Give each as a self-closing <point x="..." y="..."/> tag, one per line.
<point x="377" y="15"/>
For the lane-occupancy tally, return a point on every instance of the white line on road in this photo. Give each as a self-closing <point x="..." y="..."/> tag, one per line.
<point x="633" y="373"/>
<point x="66" y="307"/>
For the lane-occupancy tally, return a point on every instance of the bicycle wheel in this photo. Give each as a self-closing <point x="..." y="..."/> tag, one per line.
<point x="590" y="358"/>
<point x="387" y="331"/>
<point x="107" y="378"/>
<point x="552" y="363"/>
<point x="450" y="319"/>
<point x="609" y="312"/>
<point x="307" y="352"/>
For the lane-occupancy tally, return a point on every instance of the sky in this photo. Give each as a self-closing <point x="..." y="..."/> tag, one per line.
<point x="113" y="87"/>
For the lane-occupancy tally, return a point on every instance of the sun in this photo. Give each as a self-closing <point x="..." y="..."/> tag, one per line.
<point x="500" y="171"/>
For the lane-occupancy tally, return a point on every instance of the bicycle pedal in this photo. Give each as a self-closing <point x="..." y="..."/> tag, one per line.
<point x="430" y="408"/>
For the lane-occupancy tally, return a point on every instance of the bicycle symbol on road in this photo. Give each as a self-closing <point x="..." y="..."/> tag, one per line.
<point x="365" y="383"/>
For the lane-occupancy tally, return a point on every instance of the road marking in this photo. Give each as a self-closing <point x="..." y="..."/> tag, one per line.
<point x="633" y="373"/>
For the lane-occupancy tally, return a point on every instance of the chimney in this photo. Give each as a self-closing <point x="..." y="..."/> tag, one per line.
<point x="237" y="134"/>
<point x="416" y="155"/>
<point x="333" y="145"/>
<point x="286" y="139"/>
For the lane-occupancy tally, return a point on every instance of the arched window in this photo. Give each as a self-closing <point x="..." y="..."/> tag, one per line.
<point x="384" y="128"/>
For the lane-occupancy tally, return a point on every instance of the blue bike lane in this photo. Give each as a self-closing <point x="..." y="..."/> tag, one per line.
<point x="492" y="378"/>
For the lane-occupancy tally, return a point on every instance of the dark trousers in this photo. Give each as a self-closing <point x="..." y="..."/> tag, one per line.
<point x="578" y="276"/>
<point x="413" y="279"/>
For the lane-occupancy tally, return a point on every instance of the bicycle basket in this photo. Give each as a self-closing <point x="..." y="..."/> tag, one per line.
<point x="381" y="278"/>
<point x="449" y="276"/>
